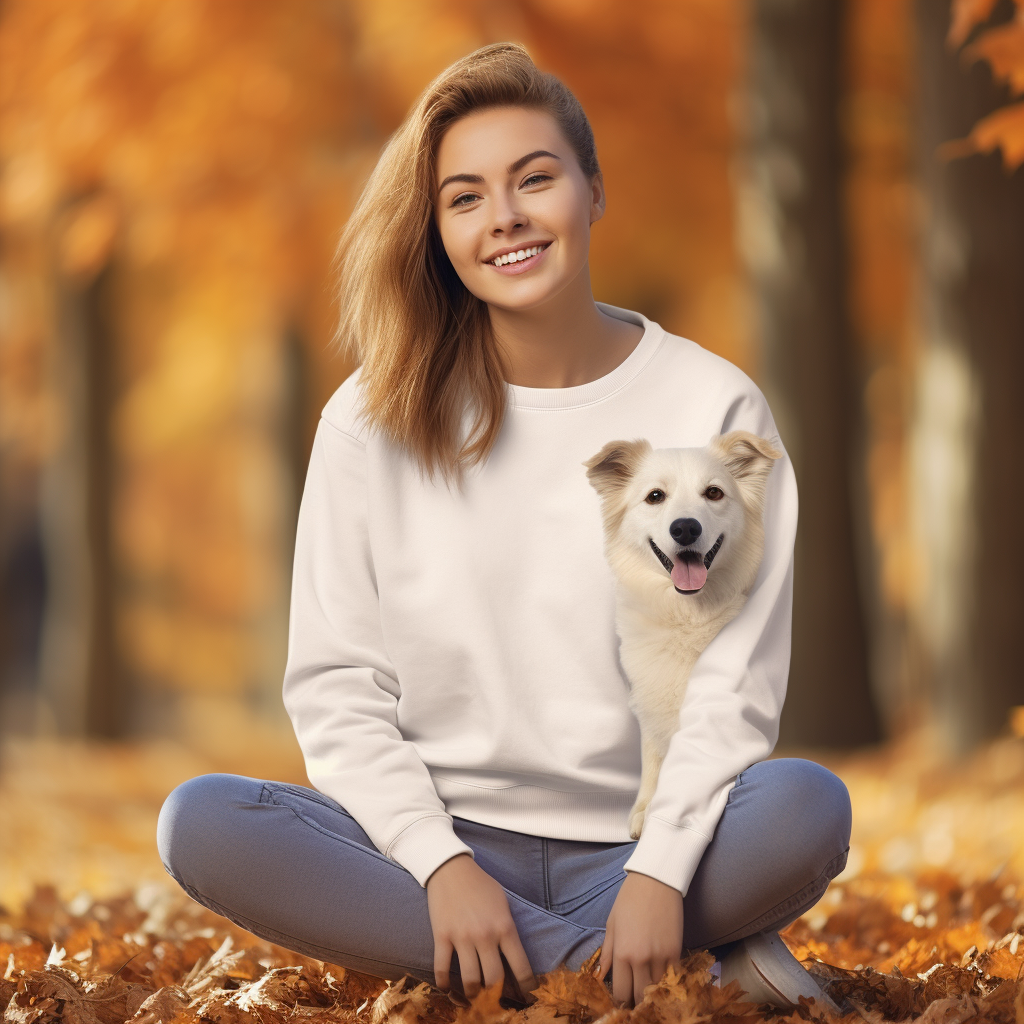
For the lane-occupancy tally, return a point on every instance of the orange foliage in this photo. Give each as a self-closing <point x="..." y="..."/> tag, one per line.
<point x="207" y="153"/>
<point x="1003" y="48"/>
<point x="966" y="15"/>
<point x="191" y="148"/>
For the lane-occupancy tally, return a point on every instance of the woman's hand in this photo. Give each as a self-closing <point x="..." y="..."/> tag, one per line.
<point x="469" y="914"/>
<point x="644" y="933"/>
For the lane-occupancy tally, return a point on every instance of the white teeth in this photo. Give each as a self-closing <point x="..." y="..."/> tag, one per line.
<point x="515" y="257"/>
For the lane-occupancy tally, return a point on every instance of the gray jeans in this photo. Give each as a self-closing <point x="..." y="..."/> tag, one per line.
<point x="291" y="865"/>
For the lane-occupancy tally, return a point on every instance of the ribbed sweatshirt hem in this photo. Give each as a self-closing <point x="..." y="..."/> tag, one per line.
<point x="422" y="847"/>
<point x="598" y="817"/>
<point x="670" y="853"/>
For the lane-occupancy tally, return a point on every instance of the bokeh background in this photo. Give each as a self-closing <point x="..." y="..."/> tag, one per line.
<point x="826" y="194"/>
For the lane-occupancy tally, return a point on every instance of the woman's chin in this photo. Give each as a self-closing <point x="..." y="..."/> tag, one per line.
<point x="523" y="295"/>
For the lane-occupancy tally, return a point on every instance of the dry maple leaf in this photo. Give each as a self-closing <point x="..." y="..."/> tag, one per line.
<point x="578" y="996"/>
<point x="165" y="1006"/>
<point x="407" y="1002"/>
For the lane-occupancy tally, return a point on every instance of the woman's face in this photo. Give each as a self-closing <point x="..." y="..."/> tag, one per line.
<point x="508" y="186"/>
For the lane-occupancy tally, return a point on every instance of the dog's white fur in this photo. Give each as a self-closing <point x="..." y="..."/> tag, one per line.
<point x="662" y="629"/>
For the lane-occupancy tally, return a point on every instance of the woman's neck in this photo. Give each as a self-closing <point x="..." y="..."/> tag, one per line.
<point x="566" y="342"/>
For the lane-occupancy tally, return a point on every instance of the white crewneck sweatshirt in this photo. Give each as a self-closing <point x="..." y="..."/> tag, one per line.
<point x="455" y="654"/>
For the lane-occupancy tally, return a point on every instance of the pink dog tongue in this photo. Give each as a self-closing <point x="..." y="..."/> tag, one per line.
<point x="689" y="575"/>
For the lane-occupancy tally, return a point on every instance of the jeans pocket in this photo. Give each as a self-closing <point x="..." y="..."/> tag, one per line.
<point x="287" y="793"/>
<point x="318" y="811"/>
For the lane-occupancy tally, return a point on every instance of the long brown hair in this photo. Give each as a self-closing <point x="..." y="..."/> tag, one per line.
<point x="424" y="341"/>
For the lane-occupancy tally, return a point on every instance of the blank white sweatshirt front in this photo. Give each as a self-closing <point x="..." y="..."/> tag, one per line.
<point x="454" y="654"/>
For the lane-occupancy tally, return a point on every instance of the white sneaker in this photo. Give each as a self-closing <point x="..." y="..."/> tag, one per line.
<point x="769" y="973"/>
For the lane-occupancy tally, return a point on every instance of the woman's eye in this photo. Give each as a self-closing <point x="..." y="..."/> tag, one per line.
<point x="655" y="497"/>
<point x="714" y="493"/>
<point x="465" y="198"/>
<point x="535" y="179"/>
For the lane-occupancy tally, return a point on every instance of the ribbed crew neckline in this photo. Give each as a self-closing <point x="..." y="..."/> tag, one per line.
<point x="593" y="391"/>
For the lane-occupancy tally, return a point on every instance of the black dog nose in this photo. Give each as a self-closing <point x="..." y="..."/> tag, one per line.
<point x="685" y="531"/>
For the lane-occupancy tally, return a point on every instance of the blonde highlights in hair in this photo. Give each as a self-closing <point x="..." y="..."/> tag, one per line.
<point x="423" y="340"/>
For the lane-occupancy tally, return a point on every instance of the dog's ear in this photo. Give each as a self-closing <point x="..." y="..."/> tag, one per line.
<point x="614" y="465"/>
<point x="748" y="458"/>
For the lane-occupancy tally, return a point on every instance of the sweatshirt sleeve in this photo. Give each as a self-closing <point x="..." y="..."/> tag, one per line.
<point x="340" y="689"/>
<point x="730" y="714"/>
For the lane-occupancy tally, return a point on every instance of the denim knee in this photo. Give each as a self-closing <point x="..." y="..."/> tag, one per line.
<point x="190" y="817"/>
<point x="826" y="800"/>
<point x="814" y="803"/>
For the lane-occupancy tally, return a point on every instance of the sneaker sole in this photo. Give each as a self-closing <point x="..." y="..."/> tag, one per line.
<point x="783" y="978"/>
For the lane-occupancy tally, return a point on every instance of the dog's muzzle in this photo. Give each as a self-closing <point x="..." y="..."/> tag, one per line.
<point x="688" y="556"/>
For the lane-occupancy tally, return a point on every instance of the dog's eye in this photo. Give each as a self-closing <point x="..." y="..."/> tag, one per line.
<point x="714" y="493"/>
<point x="655" y="496"/>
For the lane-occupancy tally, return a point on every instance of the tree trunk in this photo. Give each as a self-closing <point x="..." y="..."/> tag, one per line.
<point x="791" y="229"/>
<point x="969" y="489"/>
<point x="79" y="678"/>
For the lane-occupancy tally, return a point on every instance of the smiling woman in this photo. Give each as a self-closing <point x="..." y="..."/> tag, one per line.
<point x="516" y="228"/>
<point x="495" y="159"/>
<point x="453" y="672"/>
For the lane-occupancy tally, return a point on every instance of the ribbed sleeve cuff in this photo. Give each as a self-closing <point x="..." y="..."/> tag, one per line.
<point x="667" y="852"/>
<point x="422" y="847"/>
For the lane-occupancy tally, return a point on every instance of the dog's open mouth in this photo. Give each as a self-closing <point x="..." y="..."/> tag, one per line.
<point x="690" y="572"/>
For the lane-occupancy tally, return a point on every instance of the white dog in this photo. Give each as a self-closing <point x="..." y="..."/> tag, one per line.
<point x="684" y="535"/>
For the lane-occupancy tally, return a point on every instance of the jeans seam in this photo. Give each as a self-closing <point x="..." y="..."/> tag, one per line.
<point x="574" y="904"/>
<point x="550" y="913"/>
<point x="780" y="910"/>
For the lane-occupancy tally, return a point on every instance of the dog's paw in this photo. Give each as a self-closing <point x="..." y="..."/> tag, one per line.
<point x="636" y="822"/>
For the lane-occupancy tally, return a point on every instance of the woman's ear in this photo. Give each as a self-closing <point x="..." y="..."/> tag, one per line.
<point x="597" y="198"/>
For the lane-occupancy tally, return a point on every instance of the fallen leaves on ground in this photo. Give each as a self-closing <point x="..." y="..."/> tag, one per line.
<point x="925" y="923"/>
<point x="153" y="956"/>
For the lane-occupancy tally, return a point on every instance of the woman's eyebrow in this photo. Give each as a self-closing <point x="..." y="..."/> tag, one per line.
<point x="477" y="179"/>
<point x="472" y="179"/>
<point x="524" y="160"/>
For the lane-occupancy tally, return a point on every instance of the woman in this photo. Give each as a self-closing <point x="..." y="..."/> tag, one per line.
<point x="452" y="671"/>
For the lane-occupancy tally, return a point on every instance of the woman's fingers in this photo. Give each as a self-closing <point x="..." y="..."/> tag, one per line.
<point x="512" y="947"/>
<point x="490" y="961"/>
<point x="469" y="968"/>
<point x="641" y="979"/>
<point x="442" y="964"/>
<point x="622" y="982"/>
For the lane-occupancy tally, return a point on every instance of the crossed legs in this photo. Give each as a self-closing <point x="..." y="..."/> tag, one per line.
<point x="292" y="866"/>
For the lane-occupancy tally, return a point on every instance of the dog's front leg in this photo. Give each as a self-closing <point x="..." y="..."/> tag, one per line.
<point x="651" y="756"/>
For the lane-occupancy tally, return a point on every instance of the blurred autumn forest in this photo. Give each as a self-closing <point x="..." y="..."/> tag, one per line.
<point x="825" y="193"/>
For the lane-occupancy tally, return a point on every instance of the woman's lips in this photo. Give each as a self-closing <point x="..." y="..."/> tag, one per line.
<point x="521" y="266"/>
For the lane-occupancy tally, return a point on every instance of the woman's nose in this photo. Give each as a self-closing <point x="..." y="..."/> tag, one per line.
<point x="507" y="217"/>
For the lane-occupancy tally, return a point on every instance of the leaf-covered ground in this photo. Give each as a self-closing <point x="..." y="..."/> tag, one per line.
<point x="925" y="923"/>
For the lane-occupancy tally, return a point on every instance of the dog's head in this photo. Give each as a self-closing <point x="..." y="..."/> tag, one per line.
<point x="679" y="512"/>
